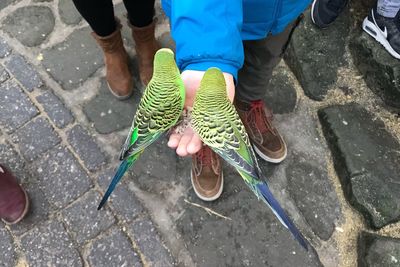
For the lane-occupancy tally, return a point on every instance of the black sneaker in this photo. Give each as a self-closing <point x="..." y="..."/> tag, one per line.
<point x="385" y="30"/>
<point x="324" y="12"/>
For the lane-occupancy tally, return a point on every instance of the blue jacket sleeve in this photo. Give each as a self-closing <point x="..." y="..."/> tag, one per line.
<point x="207" y="34"/>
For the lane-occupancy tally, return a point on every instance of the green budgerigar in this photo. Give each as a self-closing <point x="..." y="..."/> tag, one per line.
<point x="159" y="110"/>
<point x="216" y="121"/>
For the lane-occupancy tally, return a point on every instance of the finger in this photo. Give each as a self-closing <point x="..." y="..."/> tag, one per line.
<point x="194" y="145"/>
<point x="182" y="147"/>
<point x="174" y="139"/>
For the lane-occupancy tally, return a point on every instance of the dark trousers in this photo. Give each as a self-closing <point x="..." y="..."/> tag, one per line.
<point x="260" y="59"/>
<point x="100" y="14"/>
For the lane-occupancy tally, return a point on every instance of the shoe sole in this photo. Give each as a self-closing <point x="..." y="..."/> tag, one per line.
<point x="377" y="34"/>
<point x="272" y="160"/>
<point x="23" y="213"/>
<point x="208" y="198"/>
<point x="312" y="12"/>
<point x="124" y="97"/>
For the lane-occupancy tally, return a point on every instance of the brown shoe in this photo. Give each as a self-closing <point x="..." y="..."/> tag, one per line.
<point x="146" y="47"/>
<point x="206" y="175"/>
<point x="14" y="202"/>
<point x="266" y="140"/>
<point x="118" y="76"/>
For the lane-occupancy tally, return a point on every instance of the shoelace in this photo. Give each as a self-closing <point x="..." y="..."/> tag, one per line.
<point x="204" y="156"/>
<point x="257" y="110"/>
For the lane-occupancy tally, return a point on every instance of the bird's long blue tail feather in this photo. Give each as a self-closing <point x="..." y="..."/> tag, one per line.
<point x="117" y="177"/>
<point x="267" y="196"/>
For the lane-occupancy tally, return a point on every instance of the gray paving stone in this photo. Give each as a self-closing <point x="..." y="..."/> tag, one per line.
<point x="315" y="64"/>
<point x="107" y="251"/>
<point x="3" y="74"/>
<point x="280" y="95"/>
<point x="305" y="171"/>
<point x="6" y="248"/>
<point x="80" y="58"/>
<point x="30" y="24"/>
<point x="84" y="220"/>
<point x="380" y="70"/>
<point x="55" y="109"/>
<point x="5" y="49"/>
<point x="124" y="202"/>
<point x="5" y="3"/>
<point x="35" y="138"/>
<point x="366" y="160"/>
<point x="24" y="72"/>
<point x="378" y="251"/>
<point x="15" y="107"/>
<point x="61" y="177"/>
<point x="50" y="245"/>
<point x="68" y="13"/>
<point x="39" y="209"/>
<point x="150" y="243"/>
<point x="14" y="162"/>
<point x="109" y="114"/>
<point x="86" y="148"/>
<point x="159" y="162"/>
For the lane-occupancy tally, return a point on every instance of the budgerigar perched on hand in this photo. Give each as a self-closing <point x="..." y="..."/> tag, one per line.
<point x="216" y="121"/>
<point x="158" y="111"/>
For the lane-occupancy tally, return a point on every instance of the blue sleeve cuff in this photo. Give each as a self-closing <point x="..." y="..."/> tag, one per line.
<point x="203" y="66"/>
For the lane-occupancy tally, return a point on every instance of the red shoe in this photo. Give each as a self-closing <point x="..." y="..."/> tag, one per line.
<point x="266" y="140"/>
<point x="206" y="175"/>
<point x="14" y="201"/>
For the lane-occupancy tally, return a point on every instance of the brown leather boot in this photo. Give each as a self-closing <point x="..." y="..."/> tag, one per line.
<point x="266" y="140"/>
<point x="206" y="175"/>
<point x="146" y="47"/>
<point x="118" y="76"/>
<point x="14" y="202"/>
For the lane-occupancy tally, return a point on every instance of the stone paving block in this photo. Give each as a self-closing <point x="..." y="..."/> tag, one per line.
<point x="5" y="49"/>
<point x="80" y="58"/>
<point x="84" y="220"/>
<point x="50" y="245"/>
<point x="315" y="64"/>
<point x="15" y="107"/>
<point x="109" y="114"/>
<point x="380" y="70"/>
<point x="5" y="3"/>
<point x="61" y="177"/>
<point x="68" y="12"/>
<point x="35" y="138"/>
<point x="150" y="243"/>
<point x="14" y="162"/>
<point x="55" y="109"/>
<point x="39" y="209"/>
<point x="3" y="74"/>
<point x="305" y="171"/>
<point x="124" y="202"/>
<point x="24" y="72"/>
<point x="86" y="148"/>
<point x="281" y="95"/>
<point x="7" y="249"/>
<point x="113" y="249"/>
<point x="30" y="24"/>
<point x="366" y="160"/>
<point x="378" y="251"/>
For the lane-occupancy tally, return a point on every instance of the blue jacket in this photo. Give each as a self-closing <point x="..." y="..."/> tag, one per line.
<point x="209" y="33"/>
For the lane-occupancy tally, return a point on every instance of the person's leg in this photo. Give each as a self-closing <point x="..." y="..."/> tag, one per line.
<point x="383" y="24"/>
<point x="261" y="57"/>
<point x="140" y="17"/>
<point x="14" y="202"/>
<point x="388" y="8"/>
<point x="99" y="14"/>
<point x="107" y="32"/>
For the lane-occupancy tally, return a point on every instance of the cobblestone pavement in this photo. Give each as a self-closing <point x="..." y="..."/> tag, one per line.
<point x="336" y="103"/>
